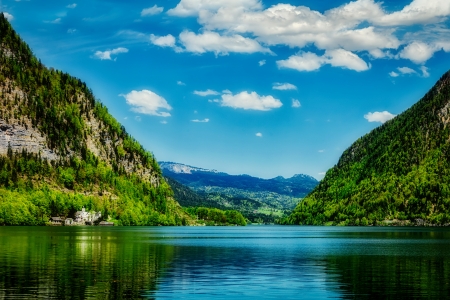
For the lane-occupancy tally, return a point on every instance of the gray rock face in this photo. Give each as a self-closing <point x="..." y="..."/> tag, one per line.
<point x="19" y="138"/>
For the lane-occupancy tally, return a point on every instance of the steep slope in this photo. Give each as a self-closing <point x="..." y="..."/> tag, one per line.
<point x="398" y="173"/>
<point x="259" y="200"/>
<point x="61" y="150"/>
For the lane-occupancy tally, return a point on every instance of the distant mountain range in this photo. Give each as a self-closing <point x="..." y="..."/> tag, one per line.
<point x="256" y="198"/>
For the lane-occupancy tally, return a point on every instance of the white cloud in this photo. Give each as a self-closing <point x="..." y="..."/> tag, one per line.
<point x="321" y="151"/>
<point x="193" y="7"/>
<point x="163" y="41"/>
<point x="147" y="102"/>
<point x="409" y="71"/>
<point x="226" y="92"/>
<point x="200" y="121"/>
<point x="8" y="16"/>
<point x="262" y="62"/>
<point x="180" y="82"/>
<point x="354" y="27"/>
<point x="283" y="86"/>
<point x="106" y="55"/>
<point x="296" y="103"/>
<point x="154" y="10"/>
<point x="418" y="52"/>
<point x="424" y="71"/>
<point x="379" y="116"/>
<point x="393" y="74"/>
<point x="259" y="134"/>
<point x="73" y="5"/>
<point x="346" y="59"/>
<point x="418" y="12"/>
<point x="298" y="26"/>
<point x="163" y="122"/>
<point x="308" y="61"/>
<point x="250" y="101"/>
<point x="321" y="173"/>
<point x="209" y="41"/>
<point x="208" y="92"/>
<point x="406" y="70"/>
<point x="71" y="30"/>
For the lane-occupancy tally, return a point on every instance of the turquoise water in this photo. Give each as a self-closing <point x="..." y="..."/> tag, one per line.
<point x="253" y="262"/>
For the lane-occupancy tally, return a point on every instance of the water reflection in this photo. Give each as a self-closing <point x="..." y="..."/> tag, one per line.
<point x="73" y="263"/>
<point x="266" y="262"/>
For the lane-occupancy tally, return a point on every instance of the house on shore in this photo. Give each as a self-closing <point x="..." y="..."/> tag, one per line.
<point x="82" y="217"/>
<point x="56" y="221"/>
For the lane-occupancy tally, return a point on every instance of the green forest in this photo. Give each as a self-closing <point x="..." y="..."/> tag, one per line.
<point x="398" y="174"/>
<point x="122" y="180"/>
<point x="126" y="185"/>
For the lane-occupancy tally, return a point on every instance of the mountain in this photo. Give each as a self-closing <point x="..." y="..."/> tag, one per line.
<point x="260" y="200"/>
<point x="60" y="150"/>
<point x="399" y="173"/>
<point x="297" y="186"/>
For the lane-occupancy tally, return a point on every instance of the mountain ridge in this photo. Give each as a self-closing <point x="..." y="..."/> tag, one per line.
<point x="396" y="174"/>
<point x="61" y="150"/>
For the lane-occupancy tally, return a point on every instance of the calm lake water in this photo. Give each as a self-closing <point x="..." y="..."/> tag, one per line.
<point x="253" y="262"/>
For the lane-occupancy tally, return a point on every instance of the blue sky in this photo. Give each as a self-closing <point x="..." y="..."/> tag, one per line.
<point x="264" y="88"/>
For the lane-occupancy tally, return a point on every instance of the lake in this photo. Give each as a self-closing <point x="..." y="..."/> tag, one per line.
<point x="253" y="262"/>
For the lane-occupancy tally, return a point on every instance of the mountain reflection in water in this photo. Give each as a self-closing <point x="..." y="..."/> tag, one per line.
<point x="264" y="262"/>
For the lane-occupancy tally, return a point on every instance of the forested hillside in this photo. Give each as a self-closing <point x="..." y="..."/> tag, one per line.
<point x="61" y="150"/>
<point x="397" y="174"/>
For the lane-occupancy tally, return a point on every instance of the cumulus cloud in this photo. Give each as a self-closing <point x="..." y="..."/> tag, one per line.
<point x="8" y="16"/>
<point x="163" y="41"/>
<point x="73" y="5"/>
<point x="354" y="27"/>
<point x="106" y="55"/>
<point x="259" y="134"/>
<point x="250" y="101"/>
<point x="71" y="30"/>
<point x="379" y="116"/>
<point x="154" y="10"/>
<point x="306" y="61"/>
<point x="283" y="86"/>
<point x="309" y="61"/>
<point x="208" y="92"/>
<point x="180" y="82"/>
<point x="200" y="121"/>
<point x="147" y="102"/>
<point x="262" y="62"/>
<point x="417" y="12"/>
<point x="418" y="52"/>
<point x="209" y="41"/>
<point x="296" y="103"/>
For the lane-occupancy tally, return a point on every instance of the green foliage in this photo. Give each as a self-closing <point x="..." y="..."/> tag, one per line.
<point x="215" y="216"/>
<point x="400" y="171"/>
<point x="126" y="199"/>
<point x="62" y="108"/>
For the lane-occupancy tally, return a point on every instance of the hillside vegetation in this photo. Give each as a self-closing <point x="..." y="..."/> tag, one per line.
<point x="397" y="174"/>
<point x="61" y="150"/>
